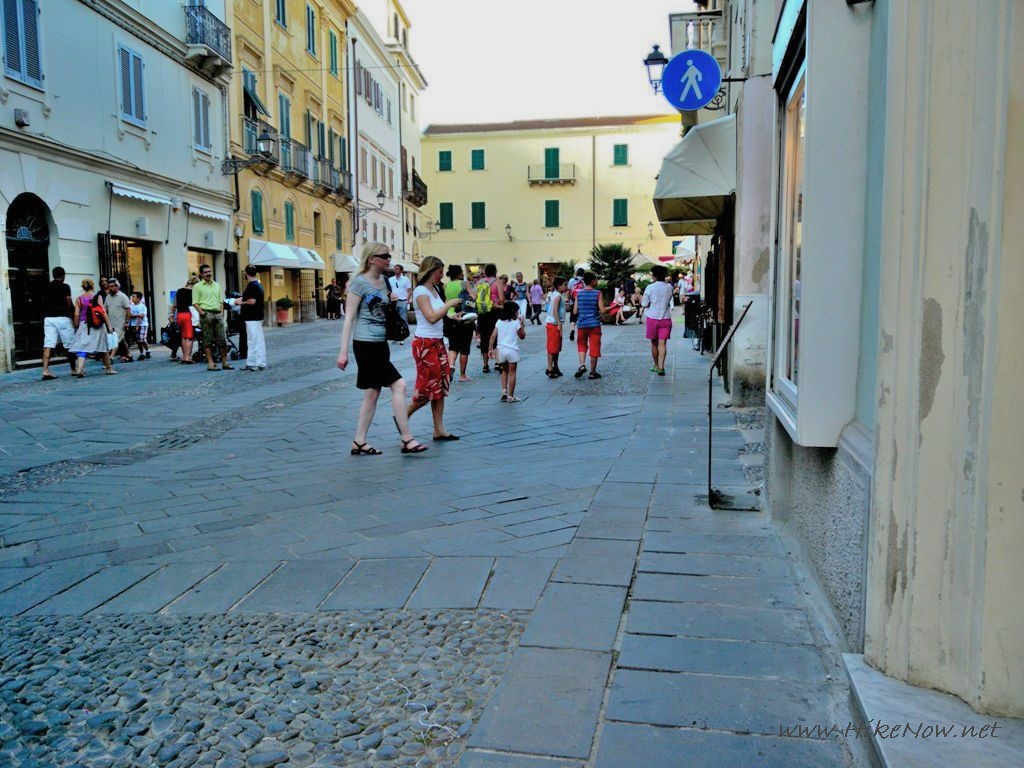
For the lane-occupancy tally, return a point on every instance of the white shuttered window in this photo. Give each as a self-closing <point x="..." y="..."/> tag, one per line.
<point x="22" y="58"/>
<point x="133" y="97"/>
<point x="201" y="120"/>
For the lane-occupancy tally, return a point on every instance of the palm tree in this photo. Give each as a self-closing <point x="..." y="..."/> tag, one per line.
<point x="612" y="263"/>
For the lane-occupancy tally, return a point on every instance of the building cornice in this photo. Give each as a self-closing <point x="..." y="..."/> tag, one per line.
<point x="512" y="129"/>
<point x="59" y="154"/>
<point x="407" y="66"/>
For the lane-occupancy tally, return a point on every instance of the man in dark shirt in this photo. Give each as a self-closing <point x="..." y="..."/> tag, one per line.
<point x="57" y="325"/>
<point x="252" y="309"/>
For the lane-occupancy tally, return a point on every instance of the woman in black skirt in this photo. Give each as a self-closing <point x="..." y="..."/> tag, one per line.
<point x="364" y="325"/>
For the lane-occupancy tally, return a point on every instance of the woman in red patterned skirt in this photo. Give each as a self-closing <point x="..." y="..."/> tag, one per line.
<point x="433" y="373"/>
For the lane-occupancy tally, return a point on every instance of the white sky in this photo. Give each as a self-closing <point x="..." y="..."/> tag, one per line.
<point x="499" y="60"/>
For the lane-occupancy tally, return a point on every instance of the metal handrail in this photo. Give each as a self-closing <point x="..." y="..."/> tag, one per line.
<point x="203" y="28"/>
<point x="293" y="156"/>
<point x="715" y="496"/>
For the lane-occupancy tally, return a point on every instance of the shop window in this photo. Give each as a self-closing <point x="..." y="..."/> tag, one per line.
<point x="791" y="208"/>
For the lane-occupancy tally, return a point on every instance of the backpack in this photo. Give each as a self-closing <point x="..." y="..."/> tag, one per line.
<point x="483" y="297"/>
<point x="97" y="315"/>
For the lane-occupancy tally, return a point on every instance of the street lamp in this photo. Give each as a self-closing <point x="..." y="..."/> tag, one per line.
<point x="429" y="230"/>
<point x="650" y="230"/>
<point x="359" y="212"/>
<point x="655" y="63"/>
<point x="508" y="231"/>
<point x="264" y="153"/>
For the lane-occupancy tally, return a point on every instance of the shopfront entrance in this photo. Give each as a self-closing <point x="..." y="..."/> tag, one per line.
<point x="131" y="262"/>
<point x="27" y="231"/>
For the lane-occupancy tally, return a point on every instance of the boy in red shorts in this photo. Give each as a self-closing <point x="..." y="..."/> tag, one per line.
<point x="553" y="325"/>
<point x="589" y="306"/>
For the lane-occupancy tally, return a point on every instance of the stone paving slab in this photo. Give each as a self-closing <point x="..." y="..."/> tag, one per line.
<point x="546" y="704"/>
<point x="714" y="544"/>
<point x="715" y="565"/>
<point x="377" y="584"/>
<point x="93" y="591"/>
<point x="721" y="657"/>
<point x="713" y="701"/>
<point x="598" y="561"/>
<point x="580" y="616"/>
<point x="726" y="590"/>
<point x="643" y="745"/>
<point x="160" y="588"/>
<point x="779" y="625"/>
<point x="223" y="588"/>
<point x="517" y="583"/>
<point x="295" y="587"/>
<point x="452" y="582"/>
<point x="476" y="758"/>
<point x="36" y="590"/>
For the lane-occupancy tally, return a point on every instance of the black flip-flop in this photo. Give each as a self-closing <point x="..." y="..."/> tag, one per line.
<point x="449" y="436"/>
<point x="48" y="377"/>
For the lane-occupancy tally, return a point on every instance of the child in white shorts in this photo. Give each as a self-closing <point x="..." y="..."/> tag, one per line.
<point x="504" y="347"/>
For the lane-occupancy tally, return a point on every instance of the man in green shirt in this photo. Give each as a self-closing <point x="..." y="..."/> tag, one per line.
<point x="208" y="299"/>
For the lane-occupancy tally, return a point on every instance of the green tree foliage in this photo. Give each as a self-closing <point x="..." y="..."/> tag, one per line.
<point x="611" y="262"/>
<point x="566" y="269"/>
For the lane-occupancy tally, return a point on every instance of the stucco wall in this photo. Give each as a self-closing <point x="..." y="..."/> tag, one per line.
<point x="823" y="495"/>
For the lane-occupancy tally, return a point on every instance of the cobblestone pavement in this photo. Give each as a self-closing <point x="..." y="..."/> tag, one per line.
<point x="184" y="553"/>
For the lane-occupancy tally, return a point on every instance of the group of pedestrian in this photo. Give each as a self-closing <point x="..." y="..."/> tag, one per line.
<point x="100" y="323"/>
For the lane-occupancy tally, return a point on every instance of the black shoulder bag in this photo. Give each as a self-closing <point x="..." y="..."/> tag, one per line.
<point x="396" y="327"/>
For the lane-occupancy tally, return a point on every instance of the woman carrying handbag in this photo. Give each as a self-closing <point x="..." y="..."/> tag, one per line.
<point x="366" y="327"/>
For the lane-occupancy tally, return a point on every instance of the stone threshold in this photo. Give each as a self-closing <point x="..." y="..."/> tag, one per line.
<point x="912" y="727"/>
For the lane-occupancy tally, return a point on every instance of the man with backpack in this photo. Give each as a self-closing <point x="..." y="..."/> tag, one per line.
<point x="489" y="300"/>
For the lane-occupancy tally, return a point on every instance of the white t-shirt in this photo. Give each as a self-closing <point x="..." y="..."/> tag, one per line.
<point x="508" y="335"/>
<point x="658" y="300"/>
<point x="401" y="286"/>
<point x="424" y="328"/>
<point x="553" y="305"/>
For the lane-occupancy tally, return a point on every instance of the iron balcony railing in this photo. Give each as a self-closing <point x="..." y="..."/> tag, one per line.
<point x="344" y="184"/>
<point x="703" y="30"/>
<point x="417" y="193"/>
<point x="549" y="172"/>
<point x="251" y="132"/>
<point x="293" y="157"/>
<point x="323" y="172"/>
<point x="203" y="28"/>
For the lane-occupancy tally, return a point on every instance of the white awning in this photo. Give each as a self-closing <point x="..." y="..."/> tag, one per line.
<point x="345" y="262"/>
<point x="696" y="179"/>
<point x="264" y="254"/>
<point x="308" y="258"/>
<point x="123" y="190"/>
<point x="206" y="213"/>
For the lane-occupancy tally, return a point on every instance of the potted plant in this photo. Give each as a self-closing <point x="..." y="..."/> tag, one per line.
<point x="284" y="306"/>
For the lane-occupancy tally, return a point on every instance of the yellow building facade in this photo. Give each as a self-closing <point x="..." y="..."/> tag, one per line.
<point x="531" y="193"/>
<point x="294" y="218"/>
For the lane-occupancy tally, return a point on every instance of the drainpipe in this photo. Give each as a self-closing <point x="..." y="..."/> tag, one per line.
<point x="593" y="191"/>
<point x="353" y="130"/>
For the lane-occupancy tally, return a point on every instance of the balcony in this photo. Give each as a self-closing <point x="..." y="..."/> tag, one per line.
<point x="551" y="173"/>
<point x="417" y="194"/>
<point x="704" y="31"/>
<point x="322" y="174"/>
<point x="208" y="39"/>
<point x="293" y="158"/>
<point x="343" y="185"/>
<point x="251" y="130"/>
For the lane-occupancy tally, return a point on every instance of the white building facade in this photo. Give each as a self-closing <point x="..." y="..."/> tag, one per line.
<point x="112" y="131"/>
<point x="374" y="119"/>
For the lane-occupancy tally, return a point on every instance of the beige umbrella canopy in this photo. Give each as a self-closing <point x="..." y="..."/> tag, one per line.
<point x="697" y="176"/>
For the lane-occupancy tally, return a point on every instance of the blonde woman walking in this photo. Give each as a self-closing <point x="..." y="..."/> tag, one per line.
<point x="364" y="327"/>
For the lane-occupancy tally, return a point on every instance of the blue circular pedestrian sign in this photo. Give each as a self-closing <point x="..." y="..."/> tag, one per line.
<point x="691" y="80"/>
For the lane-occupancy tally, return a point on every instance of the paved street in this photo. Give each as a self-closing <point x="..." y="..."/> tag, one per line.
<point x="194" y="571"/>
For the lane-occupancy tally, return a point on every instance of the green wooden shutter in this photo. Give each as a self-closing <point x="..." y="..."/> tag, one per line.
<point x="444" y="160"/>
<point x="620" y="212"/>
<point x="343" y="148"/>
<point x="446" y="215"/>
<point x="477" y="160"/>
<point x="333" y="52"/>
<point x="289" y="221"/>
<point x="621" y="154"/>
<point x="479" y="213"/>
<point x="551" y="212"/>
<point x="551" y="163"/>
<point x="257" y="212"/>
<point x="337" y="234"/>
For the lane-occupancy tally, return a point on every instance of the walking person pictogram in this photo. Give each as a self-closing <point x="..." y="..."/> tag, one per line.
<point x="692" y="78"/>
